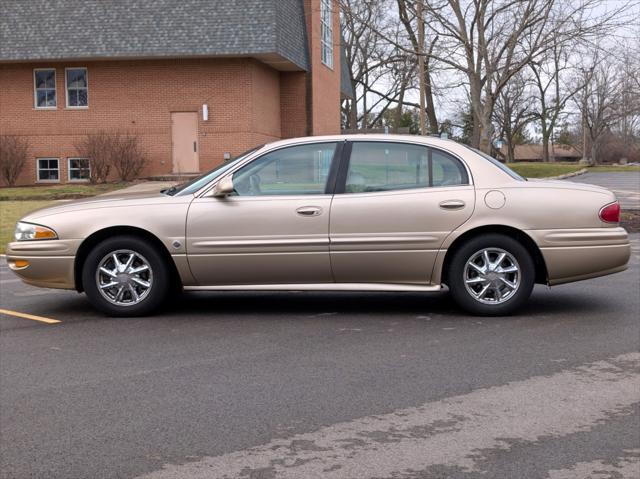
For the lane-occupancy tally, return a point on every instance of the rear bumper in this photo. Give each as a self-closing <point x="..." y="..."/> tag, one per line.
<point x="574" y="255"/>
<point x="50" y="263"/>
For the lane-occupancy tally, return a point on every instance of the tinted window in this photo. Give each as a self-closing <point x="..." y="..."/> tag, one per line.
<point x="202" y="180"/>
<point x="447" y="170"/>
<point x="297" y="170"/>
<point x="500" y="165"/>
<point x="381" y="166"/>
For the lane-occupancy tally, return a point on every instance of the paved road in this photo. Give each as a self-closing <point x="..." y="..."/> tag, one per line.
<point x="306" y="385"/>
<point x="626" y="185"/>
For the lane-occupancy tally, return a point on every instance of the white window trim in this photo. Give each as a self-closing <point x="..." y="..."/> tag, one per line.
<point x="69" y="179"/>
<point x="66" y="89"/>
<point x="35" y="90"/>
<point x="323" y="43"/>
<point x="38" y="180"/>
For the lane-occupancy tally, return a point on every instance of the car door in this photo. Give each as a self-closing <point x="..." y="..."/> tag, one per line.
<point x="274" y="228"/>
<point x="394" y="205"/>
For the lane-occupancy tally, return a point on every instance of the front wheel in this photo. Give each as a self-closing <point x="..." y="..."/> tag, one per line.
<point x="125" y="276"/>
<point x="491" y="275"/>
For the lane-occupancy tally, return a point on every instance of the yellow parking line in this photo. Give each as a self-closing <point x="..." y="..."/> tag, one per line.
<point x="29" y="316"/>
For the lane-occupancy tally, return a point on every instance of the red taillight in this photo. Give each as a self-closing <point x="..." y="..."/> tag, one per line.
<point x="610" y="213"/>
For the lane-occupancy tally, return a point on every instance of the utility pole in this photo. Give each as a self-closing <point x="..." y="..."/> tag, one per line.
<point x="421" y="65"/>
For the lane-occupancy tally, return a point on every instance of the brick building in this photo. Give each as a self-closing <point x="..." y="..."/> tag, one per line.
<point x="196" y="81"/>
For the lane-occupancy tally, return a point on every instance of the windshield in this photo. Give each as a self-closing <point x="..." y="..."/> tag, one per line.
<point x="194" y="185"/>
<point x="499" y="164"/>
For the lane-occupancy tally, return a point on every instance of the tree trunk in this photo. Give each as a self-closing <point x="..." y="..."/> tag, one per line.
<point x="431" y="108"/>
<point x="594" y="152"/>
<point x="486" y="131"/>
<point x="545" y="146"/>
<point x="353" y="113"/>
<point x="476" y="110"/>
<point x="511" y="152"/>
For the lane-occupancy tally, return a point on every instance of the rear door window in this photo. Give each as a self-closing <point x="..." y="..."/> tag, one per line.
<point x="386" y="166"/>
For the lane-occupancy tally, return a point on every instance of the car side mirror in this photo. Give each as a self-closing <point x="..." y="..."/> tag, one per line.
<point x="224" y="187"/>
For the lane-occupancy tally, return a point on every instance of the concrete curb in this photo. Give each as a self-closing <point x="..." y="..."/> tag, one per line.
<point x="566" y="175"/>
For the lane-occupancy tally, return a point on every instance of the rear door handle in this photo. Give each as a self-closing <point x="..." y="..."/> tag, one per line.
<point x="452" y="204"/>
<point x="309" y="211"/>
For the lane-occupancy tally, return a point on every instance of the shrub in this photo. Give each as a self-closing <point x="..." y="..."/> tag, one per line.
<point x="14" y="152"/>
<point x="112" y="150"/>
<point x="129" y="159"/>
<point x="99" y="148"/>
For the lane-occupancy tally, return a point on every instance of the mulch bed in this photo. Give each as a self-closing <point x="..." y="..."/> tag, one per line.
<point x="630" y="220"/>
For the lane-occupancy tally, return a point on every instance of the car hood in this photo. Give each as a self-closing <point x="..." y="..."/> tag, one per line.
<point x="110" y="200"/>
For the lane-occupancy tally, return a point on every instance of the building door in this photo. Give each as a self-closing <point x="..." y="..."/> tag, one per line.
<point x="184" y="142"/>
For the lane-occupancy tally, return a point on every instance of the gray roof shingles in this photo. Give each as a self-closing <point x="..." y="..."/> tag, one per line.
<point x="88" y="29"/>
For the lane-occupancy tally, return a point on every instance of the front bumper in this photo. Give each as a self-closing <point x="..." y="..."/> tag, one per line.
<point x="50" y="262"/>
<point x="574" y="255"/>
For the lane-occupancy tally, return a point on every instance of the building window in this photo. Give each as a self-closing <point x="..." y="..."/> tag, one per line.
<point x="77" y="88"/>
<point x="79" y="169"/>
<point x="48" y="169"/>
<point x="326" y="34"/>
<point x="44" y="80"/>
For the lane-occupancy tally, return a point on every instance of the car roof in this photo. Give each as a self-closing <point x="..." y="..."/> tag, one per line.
<point x="427" y="140"/>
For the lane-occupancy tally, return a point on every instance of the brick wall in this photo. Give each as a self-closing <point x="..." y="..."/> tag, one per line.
<point x="249" y="103"/>
<point x="243" y="96"/>
<point x="325" y="90"/>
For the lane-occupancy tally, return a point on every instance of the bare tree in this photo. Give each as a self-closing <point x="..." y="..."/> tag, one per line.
<point x="629" y="94"/>
<point x="552" y="94"/>
<point x="490" y="41"/>
<point x="14" y="152"/>
<point x="370" y="59"/>
<point x="513" y="112"/>
<point x="408" y="16"/>
<point x="598" y="102"/>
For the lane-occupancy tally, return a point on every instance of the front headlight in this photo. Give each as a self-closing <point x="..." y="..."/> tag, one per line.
<point x="28" y="232"/>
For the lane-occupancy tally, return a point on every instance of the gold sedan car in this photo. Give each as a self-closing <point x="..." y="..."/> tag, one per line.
<point x="365" y="213"/>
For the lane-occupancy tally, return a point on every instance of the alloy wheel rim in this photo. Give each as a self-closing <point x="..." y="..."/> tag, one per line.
<point x="492" y="276"/>
<point x="124" y="277"/>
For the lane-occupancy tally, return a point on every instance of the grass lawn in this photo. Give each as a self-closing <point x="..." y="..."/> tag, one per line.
<point x="57" y="192"/>
<point x="543" y="170"/>
<point x="12" y="211"/>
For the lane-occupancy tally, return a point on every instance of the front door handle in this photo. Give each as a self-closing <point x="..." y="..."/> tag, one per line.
<point x="452" y="204"/>
<point x="309" y="211"/>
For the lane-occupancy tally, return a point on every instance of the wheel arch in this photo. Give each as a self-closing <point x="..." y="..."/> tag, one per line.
<point x="95" y="238"/>
<point x="515" y="233"/>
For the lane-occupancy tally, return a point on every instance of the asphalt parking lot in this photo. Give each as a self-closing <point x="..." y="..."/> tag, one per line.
<point x="625" y="184"/>
<point x="302" y="385"/>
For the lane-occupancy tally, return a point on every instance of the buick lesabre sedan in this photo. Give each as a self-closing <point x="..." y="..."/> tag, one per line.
<point x="365" y="213"/>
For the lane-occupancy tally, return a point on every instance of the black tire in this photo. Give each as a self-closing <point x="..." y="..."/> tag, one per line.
<point x="456" y="275"/>
<point x="160" y="286"/>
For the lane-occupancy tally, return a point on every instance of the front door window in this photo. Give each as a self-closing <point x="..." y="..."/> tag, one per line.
<point x="292" y="171"/>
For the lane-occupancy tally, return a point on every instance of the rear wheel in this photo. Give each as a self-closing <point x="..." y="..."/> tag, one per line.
<point x="125" y="276"/>
<point x="491" y="275"/>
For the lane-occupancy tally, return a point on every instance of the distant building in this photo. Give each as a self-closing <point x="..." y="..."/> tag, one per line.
<point x="534" y="153"/>
<point x="195" y="80"/>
